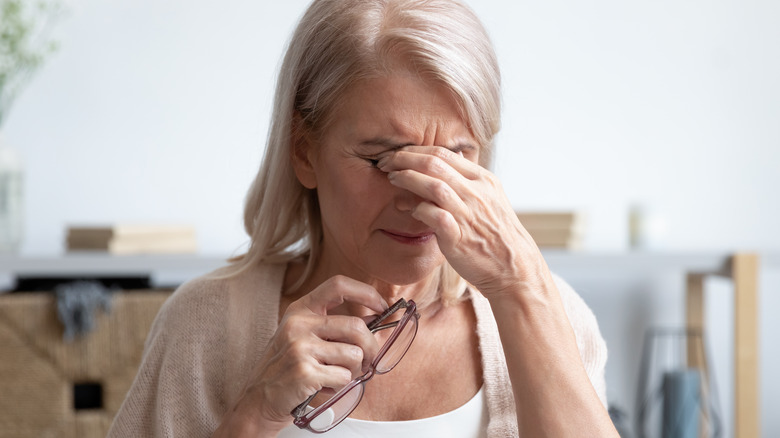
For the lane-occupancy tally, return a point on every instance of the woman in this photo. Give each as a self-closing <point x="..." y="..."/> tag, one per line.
<point x="373" y="190"/>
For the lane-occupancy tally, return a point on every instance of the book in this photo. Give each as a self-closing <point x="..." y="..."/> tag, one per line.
<point x="133" y="239"/>
<point x="549" y="220"/>
<point x="553" y="229"/>
<point x="168" y="245"/>
<point x="556" y="239"/>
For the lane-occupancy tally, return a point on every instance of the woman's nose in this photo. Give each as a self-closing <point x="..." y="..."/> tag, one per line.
<point x="406" y="201"/>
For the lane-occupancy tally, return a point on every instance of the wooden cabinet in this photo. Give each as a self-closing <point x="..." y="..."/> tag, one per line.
<point x="42" y="375"/>
<point x="52" y="387"/>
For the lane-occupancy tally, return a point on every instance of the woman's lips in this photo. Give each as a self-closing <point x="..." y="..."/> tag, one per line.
<point x="409" y="238"/>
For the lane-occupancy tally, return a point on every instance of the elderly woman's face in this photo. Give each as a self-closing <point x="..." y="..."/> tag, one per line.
<point x="369" y="232"/>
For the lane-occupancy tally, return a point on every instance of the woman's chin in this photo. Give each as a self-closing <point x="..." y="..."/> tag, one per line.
<point x="406" y="274"/>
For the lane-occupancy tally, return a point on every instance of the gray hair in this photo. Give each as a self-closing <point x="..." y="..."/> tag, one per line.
<point x="336" y="44"/>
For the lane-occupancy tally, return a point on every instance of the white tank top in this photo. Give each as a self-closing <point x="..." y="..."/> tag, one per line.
<point x="467" y="421"/>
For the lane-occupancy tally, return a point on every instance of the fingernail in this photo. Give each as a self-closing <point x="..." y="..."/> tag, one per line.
<point x="391" y="176"/>
<point x="382" y="162"/>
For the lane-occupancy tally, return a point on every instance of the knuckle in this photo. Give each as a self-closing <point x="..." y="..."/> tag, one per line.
<point x="405" y="173"/>
<point x="442" y="153"/>
<point x="355" y="353"/>
<point x="338" y="281"/>
<point x="293" y="307"/>
<point x="491" y="178"/>
<point x="301" y="370"/>
<point x="294" y="325"/>
<point x="432" y="164"/>
<point x="439" y="190"/>
<point x="298" y="349"/>
<point x="441" y="217"/>
<point x="356" y="324"/>
<point x="479" y="173"/>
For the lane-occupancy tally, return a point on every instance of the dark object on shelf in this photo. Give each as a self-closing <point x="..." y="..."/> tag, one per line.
<point x="677" y="396"/>
<point x="77" y="303"/>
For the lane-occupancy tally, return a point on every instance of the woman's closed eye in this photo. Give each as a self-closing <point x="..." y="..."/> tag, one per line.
<point x="373" y="161"/>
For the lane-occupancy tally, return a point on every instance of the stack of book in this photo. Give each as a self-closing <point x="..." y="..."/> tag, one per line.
<point x="130" y="239"/>
<point x="562" y="230"/>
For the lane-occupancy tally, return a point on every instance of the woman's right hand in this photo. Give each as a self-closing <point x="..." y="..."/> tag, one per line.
<point x="310" y="350"/>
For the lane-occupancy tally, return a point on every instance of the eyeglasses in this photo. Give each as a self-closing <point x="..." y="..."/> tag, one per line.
<point x="329" y="414"/>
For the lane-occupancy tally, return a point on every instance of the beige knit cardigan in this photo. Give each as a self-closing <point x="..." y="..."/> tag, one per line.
<point x="211" y="332"/>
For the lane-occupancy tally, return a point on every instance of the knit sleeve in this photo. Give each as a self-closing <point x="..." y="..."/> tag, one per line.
<point x="177" y="391"/>
<point x="593" y="348"/>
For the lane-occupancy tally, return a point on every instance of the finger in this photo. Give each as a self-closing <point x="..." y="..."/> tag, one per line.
<point x="446" y="228"/>
<point x="352" y="331"/>
<point x="335" y="377"/>
<point x="431" y="189"/>
<point x="428" y="165"/>
<point x="340" y="289"/>
<point x="432" y="160"/>
<point x="315" y="376"/>
<point x="347" y="356"/>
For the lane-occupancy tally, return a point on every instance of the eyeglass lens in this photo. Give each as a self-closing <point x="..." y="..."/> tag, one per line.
<point x="338" y="411"/>
<point x="397" y="350"/>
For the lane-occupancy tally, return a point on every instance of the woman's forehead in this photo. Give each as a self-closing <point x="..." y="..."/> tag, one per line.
<point x="400" y="110"/>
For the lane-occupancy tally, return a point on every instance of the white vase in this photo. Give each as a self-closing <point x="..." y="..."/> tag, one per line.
<point x="648" y="228"/>
<point x="11" y="198"/>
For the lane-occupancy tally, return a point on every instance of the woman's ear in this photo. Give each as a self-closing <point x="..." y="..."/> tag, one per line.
<point x="302" y="153"/>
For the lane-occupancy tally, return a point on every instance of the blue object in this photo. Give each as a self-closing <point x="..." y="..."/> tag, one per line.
<point x="76" y="306"/>
<point x="682" y="404"/>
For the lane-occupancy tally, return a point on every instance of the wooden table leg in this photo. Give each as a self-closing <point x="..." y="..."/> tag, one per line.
<point x="695" y="322"/>
<point x="744" y="272"/>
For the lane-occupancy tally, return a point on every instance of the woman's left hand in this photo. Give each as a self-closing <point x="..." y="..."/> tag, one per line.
<point x="475" y="225"/>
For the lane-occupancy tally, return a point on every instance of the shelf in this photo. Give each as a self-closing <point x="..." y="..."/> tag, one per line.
<point x="162" y="270"/>
<point x="171" y="270"/>
<point x="633" y="262"/>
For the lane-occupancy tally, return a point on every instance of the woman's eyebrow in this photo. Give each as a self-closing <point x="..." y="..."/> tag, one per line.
<point x="385" y="143"/>
<point x="388" y="144"/>
<point x="460" y="147"/>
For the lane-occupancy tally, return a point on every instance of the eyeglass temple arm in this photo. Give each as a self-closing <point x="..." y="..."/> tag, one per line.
<point x="374" y="325"/>
<point x="300" y="410"/>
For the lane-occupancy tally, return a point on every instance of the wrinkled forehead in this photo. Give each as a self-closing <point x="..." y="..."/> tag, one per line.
<point x="402" y="110"/>
<point x="408" y="105"/>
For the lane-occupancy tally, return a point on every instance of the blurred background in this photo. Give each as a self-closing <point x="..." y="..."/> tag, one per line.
<point x="157" y="112"/>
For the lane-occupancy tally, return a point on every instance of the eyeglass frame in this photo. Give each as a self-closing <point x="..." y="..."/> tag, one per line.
<point x="303" y="419"/>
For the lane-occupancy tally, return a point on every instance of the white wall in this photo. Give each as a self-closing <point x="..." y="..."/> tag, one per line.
<point x="157" y="111"/>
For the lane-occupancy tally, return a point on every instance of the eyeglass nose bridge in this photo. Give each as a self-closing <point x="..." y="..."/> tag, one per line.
<point x="367" y="376"/>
